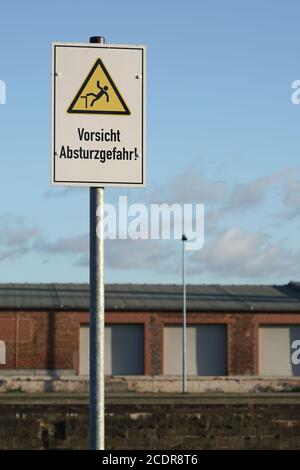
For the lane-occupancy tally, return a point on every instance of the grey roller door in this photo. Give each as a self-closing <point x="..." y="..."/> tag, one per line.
<point x="206" y="350"/>
<point x="124" y="349"/>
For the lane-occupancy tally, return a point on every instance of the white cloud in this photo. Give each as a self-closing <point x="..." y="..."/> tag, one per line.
<point x="66" y="245"/>
<point x="236" y="252"/>
<point x="251" y="194"/>
<point x="140" y="254"/>
<point x="17" y="236"/>
<point x="291" y="198"/>
<point x="194" y="185"/>
<point x="191" y="185"/>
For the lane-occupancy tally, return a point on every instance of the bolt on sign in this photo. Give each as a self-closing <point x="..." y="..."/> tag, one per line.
<point x="98" y="115"/>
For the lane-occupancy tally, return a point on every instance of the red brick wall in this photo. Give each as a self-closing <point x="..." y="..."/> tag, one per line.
<point x="39" y="340"/>
<point x="50" y="340"/>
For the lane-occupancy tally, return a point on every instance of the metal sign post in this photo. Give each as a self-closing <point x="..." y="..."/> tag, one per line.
<point x="97" y="320"/>
<point x="97" y="315"/>
<point x="184" y="362"/>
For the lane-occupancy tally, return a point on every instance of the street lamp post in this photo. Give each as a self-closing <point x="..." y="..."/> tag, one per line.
<point x="184" y="362"/>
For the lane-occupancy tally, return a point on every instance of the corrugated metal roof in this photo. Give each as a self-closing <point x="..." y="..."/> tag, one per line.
<point x="154" y="297"/>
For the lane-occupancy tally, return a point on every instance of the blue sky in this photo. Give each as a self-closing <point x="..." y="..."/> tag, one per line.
<point x="222" y="131"/>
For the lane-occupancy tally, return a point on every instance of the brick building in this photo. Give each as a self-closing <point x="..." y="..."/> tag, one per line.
<point x="232" y="330"/>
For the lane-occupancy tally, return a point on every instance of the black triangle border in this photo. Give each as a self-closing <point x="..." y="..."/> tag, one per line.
<point x="98" y="62"/>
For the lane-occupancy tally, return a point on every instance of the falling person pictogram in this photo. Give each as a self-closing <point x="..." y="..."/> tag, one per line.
<point x="98" y="96"/>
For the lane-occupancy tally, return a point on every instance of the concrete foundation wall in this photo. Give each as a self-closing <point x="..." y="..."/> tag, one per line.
<point x="156" y="422"/>
<point x="149" y="384"/>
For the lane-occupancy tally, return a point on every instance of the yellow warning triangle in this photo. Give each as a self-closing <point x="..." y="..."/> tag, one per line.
<point x="98" y="94"/>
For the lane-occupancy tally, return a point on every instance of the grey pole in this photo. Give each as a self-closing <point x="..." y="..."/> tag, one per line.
<point x="97" y="320"/>
<point x="184" y="362"/>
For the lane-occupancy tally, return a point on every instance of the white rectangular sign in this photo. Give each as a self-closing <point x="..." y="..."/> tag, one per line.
<point x="98" y="115"/>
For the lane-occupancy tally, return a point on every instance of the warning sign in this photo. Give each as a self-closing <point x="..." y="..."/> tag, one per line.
<point x="98" y="115"/>
<point x="99" y="94"/>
